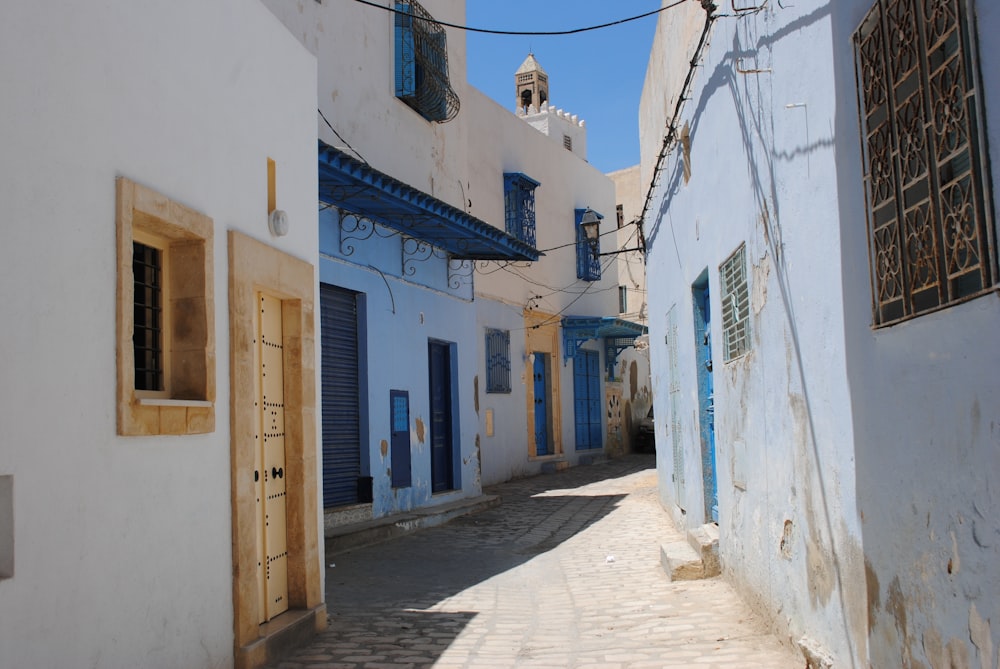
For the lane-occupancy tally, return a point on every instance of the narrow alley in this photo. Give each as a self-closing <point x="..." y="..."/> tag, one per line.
<point x="564" y="573"/>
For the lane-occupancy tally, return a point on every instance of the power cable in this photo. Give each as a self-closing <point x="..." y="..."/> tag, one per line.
<point x="346" y="143"/>
<point x="490" y="31"/>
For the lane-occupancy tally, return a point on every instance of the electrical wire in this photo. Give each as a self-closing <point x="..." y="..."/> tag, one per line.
<point x="490" y="31"/>
<point x="346" y="143"/>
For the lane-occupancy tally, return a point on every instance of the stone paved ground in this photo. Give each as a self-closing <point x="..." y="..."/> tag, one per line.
<point x="564" y="573"/>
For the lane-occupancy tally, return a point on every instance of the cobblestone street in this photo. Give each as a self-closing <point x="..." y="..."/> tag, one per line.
<point x="564" y="573"/>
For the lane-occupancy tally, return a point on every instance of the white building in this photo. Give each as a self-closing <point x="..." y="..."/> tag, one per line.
<point x="827" y="385"/>
<point x="445" y="222"/>
<point x="145" y="145"/>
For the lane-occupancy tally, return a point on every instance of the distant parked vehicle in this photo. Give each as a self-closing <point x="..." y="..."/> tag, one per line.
<point x="645" y="436"/>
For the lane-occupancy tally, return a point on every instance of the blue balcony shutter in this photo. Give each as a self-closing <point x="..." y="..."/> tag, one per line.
<point x="588" y="264"/>
<point x="519" y="206"/>
<point x="406" y="68"/>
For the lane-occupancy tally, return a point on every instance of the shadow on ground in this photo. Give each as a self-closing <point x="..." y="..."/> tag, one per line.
<point x="380" y="597"/>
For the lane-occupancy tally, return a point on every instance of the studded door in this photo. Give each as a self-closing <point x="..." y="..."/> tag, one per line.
<point x="269" y="471"/>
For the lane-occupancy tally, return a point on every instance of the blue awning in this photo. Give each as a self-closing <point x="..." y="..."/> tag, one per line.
<point x="615" y="334"/>
<point x="349" y="184"/>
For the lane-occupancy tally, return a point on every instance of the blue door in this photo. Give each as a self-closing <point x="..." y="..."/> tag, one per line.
<point x="587" y="399"/>
<point x="706" y="394"/>
<point x="541" y="406"/>
<point x="399" y="421"/>
<point x="442" y="477"/>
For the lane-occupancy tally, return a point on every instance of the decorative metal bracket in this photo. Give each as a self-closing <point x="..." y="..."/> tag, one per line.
<point x="354" y="229"/>
<point x="460" y="273"/>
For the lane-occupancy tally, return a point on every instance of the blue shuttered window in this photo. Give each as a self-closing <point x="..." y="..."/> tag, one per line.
<point x="422" y="64"/>
<point x="497" y="361"/>
<point x="588" y="263"/>
<point x="519" y="206"/>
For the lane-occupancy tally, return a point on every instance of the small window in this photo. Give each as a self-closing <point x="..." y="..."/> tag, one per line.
<point x="931" y="234"/>
<point x="622" y="299"/>
<point x="620" y="215"/>
<point x="735" y="305"/>
<point x="422" y="64"/>
<point x="148" y="328"/>
<point x="166" y="315"/>
<point x="497" y="361"/>
<point x="567" y="142"/>
<point x="519" y="206"/>
<point x="588" y="262"/>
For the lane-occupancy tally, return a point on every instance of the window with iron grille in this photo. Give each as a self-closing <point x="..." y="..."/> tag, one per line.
<point x="588" y="262"/>
<point x="622" y="299"/>
<point x="164" y="343"/>
<point x="519" y="206"/>
<point x="931" y="234"/>
<point x="497" y="361"/>
<point x="735" y="305"/>
<point x="422" y="64"/>
<point x="147" y="334"/>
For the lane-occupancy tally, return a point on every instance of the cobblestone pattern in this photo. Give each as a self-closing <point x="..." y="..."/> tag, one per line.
<point x="565" y="573"/>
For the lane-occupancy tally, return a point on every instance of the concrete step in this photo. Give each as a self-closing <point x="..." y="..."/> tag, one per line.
<point x="680" y="562"/>
<point x="349" y="536"/>
<point x="704" y="541"/>
<point x="554" y="466"/>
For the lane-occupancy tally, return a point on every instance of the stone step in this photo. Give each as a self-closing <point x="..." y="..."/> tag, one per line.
<point x="681" y="562"/>
<point x="553" y="466"/>
<point x="704" y="541"/>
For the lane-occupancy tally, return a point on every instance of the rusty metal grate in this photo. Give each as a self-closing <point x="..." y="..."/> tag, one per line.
<point x="931" y="234"/>
<point x="735" y="305"/>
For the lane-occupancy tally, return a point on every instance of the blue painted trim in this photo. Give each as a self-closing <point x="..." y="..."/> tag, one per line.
<point x="617" y="335"/>
<point x="352" y="185"/>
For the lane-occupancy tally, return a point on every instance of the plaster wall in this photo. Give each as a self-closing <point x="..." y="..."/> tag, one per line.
<point x="927" y="423"/>
<point x="790" y="529"/>
<point x="674" y="43"/>
<point x="402" y="312"/>
<point x="123" y="545"/>
<point x="557" y="124"/>
<point x="632" y="368"/>
<point x="353" y="44"/>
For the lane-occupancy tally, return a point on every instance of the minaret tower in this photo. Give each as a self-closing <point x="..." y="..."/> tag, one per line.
<point x="532" y="86"/>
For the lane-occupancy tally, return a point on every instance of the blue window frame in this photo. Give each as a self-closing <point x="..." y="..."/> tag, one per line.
<point x="519" y="206"/>
<point x="588" y="263"/>
<point x="422" y="64"/>
<point x="497" y="361"/>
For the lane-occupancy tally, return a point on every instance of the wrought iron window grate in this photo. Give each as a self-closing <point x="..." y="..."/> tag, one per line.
<point x="497" y="361"/>
<point x="422" y="64"/>
<point x="147" y="336"/>
<point x="735" y="305"/>
<point x="588" y="262"/>
<point x="931" y="234"/>
<point x="519" y="206"/>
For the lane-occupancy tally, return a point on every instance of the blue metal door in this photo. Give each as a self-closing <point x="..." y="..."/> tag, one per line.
<point x="399" y="420"/>
<point x="439" y="355"/>
<point x="587" y="399"/>
<point x="541" y="406"/>
<point x="706" y="395"/>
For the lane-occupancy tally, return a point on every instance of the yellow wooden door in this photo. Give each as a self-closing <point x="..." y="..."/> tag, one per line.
<point x="269" y="474"/>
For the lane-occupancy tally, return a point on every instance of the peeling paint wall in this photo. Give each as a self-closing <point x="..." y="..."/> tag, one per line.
<point x="790" y="534"/>
<point x="858" y="468"/>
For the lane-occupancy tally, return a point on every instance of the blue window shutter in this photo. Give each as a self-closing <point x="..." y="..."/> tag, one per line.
<point x="406" y="69"/>
<point x="588" y="264"/>
<point x="519" y="206"/>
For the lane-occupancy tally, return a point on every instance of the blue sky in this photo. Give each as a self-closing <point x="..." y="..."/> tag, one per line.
<point x="596" y="75"/>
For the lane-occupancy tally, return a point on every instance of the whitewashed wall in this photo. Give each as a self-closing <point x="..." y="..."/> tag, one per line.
<point x="123" y="545"/>
<point x="788" y="517"/>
